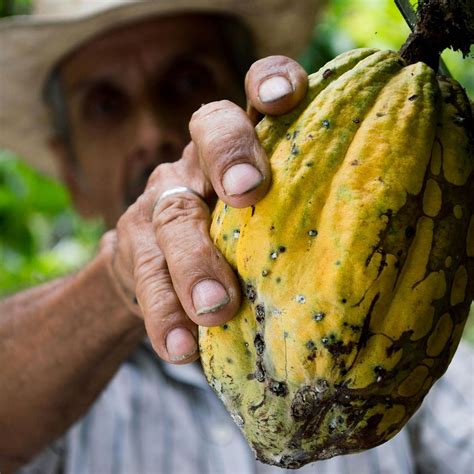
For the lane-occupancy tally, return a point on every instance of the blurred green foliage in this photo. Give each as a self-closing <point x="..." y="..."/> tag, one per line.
<point x="41" y="236"/>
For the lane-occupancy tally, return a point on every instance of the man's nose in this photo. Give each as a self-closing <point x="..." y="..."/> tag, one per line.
<point x="156" y="137"/>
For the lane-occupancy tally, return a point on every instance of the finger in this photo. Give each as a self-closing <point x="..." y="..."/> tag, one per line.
<point x="172" y="334"/>
<point x="275" y="85"/>
<point x="230" y="153"/>
<point x="204" y="282"/>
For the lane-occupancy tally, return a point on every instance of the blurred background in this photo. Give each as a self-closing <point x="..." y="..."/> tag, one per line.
<point x="41" y="237"/>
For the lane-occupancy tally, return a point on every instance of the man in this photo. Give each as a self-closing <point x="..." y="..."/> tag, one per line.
<point x="122" y="83"/>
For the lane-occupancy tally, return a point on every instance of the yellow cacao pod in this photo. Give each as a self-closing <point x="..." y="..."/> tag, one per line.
<point x="356" y="268"/>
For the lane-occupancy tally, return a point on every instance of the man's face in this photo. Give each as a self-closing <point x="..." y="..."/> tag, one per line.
<point x="130" y="95"/>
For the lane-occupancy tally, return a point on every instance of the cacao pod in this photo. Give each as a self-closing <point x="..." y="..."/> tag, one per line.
<point x="357" y="266"/>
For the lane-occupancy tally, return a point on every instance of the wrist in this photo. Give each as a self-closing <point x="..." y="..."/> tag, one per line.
<point x="119" y="302"/>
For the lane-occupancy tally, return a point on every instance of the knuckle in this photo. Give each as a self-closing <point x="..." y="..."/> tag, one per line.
<point x="211" y="108"/>
<point x="158" y="173"/>
<point x="179" y="209"/>
<point x="147" y="266"/>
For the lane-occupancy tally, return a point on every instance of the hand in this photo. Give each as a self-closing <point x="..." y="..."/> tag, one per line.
<point x="163" y="257"/>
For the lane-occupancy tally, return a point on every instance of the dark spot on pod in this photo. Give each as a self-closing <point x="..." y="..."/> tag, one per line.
<point x="337" y="348"/>
<point x="345" y="323"/>
<point x="135" y="301"/>
<point x="343" y="301"/>
<point x="344" y="372"/>
<point x="325" y="123"/>
<point x="260" y="313"/>
<point x="282" y="249"/>
<point x="312" y="356"/>
<point x="225" y="327"/>
<point x="259" y="344"/>
<point x="354" y="162"/>
<point x="327" y="73"/>
<point x="259" y="372"/>
<point x="332" y="425"/>
<point x="272" y="227"/>
<point x="226" y="206"/>
<point x="295" y="133"/>
<point x="274" y="255"/>
<point x="224" y="237"/>
<point x="310" y="345"/>
<point x="303" y="403"/>
<point x="250" y="293"/>
<point x="229" y="360"/>
<point x="313" y="233"/>
<point x="287" y="462"/>
<point x="253" y="210"/>
<point x="338" y="262"/>
<point x="250" y="376"/>
<point x="280" y="389"/>
<point x="380" y="114"/>
<point x="319" y="316"/>
<point x="288" y="136"/>
<point x="355" y="327"/>
<point x="325" y="340"/>
<point x="294" y="149"/>
<point x="458" y="120"/>
<point x="413" y="97"/>
<point x="309" y="164"/>
<point x="380" y="373"/>
<point x="409" y="232"/>
<point x="321" y="385"/>
<point x="309" y="136"/>
<point x="278" y="279"/>
<point x="356" y="120"/>
<point x="265" y="273"/>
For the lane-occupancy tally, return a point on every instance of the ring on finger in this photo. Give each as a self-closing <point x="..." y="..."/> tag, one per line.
<point x="177" y="190"/>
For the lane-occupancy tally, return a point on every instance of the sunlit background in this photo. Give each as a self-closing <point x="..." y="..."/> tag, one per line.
<point x="41" y="237"/>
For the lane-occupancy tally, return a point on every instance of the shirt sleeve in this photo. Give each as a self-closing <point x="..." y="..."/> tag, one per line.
<point x="442" y="430"/>
<point x="49" y="461"/>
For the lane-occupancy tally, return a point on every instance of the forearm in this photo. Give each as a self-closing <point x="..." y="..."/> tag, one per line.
<point x="59" y="346"/>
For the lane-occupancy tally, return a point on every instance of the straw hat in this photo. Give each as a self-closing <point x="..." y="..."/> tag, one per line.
<point x="32" y="45"/>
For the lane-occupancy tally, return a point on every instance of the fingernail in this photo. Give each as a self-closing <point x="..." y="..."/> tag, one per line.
<point x="274" y="88"/>
<point x="209" y="296"/>
<point x="180" y="344"/>
<point x="241" y="179"/>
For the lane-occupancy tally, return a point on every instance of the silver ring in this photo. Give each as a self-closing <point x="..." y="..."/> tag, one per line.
<point x="177" y="190"/>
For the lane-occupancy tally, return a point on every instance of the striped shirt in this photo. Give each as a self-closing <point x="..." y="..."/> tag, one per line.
<point x="157" y="418"/>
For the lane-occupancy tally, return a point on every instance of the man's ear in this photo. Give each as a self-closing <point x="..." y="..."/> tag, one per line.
<point x="71" y="176"/>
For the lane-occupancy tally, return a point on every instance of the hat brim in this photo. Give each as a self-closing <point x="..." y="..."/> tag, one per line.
<point x="33" y="45"/>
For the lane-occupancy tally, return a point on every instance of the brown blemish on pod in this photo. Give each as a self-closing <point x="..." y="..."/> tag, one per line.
<point x="327" y="73"/>
<point x="440" y="336"/>
<point x="470" y="239"/>
<point x="436" y="157"/>
<point x="458" y="290"/>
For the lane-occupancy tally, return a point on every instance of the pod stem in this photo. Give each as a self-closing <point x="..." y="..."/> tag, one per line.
<point x="440" y="24"/>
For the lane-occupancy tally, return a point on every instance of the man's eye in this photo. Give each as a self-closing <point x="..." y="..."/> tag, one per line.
<point x="191" y="79"/>
<point x="105" y="103"/>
